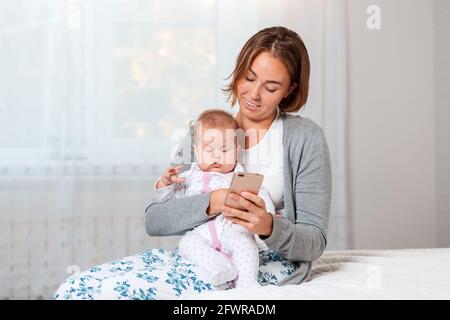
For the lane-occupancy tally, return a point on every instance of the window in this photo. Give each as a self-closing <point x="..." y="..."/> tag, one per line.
<point x="102" y="81"/>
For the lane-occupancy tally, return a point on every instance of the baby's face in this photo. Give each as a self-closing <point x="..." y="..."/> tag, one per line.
<point x="216" y="150"/>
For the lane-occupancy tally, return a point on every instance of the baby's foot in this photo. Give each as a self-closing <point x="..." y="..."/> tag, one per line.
<point x="224" y="275"/>
<point x="246" y="283"/>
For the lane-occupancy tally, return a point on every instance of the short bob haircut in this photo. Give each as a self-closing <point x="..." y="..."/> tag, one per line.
<point x="286" y="45"/>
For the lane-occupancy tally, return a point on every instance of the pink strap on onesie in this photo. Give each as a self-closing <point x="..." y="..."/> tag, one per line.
<point x="215" y="239"/>
<point x="206" y="179"/>
<point x="211" y="223"/>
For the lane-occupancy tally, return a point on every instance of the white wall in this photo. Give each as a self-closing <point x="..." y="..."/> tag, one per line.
<point x="442" y="116"/>
<point x="391" y="131"/>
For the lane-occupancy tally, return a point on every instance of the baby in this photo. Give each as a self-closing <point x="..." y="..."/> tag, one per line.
<point x="227" y="251"/>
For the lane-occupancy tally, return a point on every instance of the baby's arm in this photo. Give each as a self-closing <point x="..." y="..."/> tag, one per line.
<point x="163" y="194"/>
<point x="169" y="185"/>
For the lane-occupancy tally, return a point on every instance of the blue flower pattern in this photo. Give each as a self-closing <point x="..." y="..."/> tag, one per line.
<point x="158" y="274"/>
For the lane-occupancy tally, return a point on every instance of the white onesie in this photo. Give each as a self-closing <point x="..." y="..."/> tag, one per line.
<point x="222" y="248"/>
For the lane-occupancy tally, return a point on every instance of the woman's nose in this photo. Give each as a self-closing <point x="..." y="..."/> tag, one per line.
<point x="254" y="92"/>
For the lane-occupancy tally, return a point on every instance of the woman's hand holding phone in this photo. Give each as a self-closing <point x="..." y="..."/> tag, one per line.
<point x="240" y="206"/>
<point x="255" y="219"/>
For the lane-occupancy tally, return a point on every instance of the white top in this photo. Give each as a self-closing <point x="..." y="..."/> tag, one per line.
<point x="266" y="158"/>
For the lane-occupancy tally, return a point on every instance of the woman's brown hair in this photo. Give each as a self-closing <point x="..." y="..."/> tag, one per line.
<point x="286" y="45"/>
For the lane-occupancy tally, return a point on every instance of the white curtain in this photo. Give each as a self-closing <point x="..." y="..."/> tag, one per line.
<point x="94" y="93"/>
<point x="91" y="92"/>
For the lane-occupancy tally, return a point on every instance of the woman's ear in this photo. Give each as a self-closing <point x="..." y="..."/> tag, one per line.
<point x="292" y="88"/>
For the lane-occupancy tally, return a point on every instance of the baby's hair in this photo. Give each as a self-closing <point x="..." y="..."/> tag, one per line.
<point x="214" y="118"/>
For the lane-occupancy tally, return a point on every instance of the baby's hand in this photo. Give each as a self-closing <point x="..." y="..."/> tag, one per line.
<point x="169" y="177"/>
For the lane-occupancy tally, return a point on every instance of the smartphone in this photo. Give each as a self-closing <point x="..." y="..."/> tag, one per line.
<point x="243" y="181"/>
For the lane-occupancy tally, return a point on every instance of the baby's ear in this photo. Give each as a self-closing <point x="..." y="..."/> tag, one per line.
<point x="191" y="127"/>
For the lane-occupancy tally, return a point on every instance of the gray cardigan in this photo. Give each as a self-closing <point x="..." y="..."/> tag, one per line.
<point x="302" y="235"/>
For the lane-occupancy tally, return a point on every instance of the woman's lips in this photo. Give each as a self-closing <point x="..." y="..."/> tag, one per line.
<point x="250" y="105"/>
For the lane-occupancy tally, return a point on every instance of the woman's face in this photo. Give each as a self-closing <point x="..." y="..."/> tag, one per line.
<point x="263" y="87"/>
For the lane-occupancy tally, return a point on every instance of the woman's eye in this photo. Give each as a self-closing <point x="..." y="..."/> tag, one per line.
<point x="249" y="79"/>
<point x="271" y="90"/>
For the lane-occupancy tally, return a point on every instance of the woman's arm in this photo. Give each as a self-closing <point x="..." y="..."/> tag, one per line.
<point x="179" y="215"/>
<point x="307" y="238"/>
<point x="176" y="216"/>
<point x="296" y="242"/>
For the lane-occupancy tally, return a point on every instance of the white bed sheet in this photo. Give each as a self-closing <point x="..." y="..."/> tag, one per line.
<point x="361" y="274"/>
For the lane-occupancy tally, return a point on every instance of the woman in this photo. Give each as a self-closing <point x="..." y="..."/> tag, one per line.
<point x="271" y="78"/>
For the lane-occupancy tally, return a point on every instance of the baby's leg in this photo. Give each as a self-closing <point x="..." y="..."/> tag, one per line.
<point x="197" y="249"/>
<point x="245" y="255"/>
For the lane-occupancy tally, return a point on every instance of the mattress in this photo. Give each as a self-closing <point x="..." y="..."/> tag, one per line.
<point x="361" y="274"/>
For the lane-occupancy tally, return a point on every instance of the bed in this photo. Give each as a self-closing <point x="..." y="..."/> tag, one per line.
<point x="361" y="274"/>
